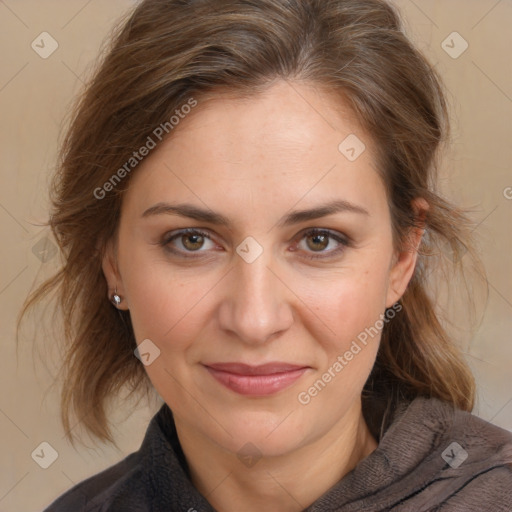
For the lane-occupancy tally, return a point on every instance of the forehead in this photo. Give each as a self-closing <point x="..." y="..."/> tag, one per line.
<point x="294" y="116"/>
<point x="289" y="142"/>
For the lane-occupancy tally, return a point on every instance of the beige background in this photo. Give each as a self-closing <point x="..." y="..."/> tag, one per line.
<point x="35" y="94"/>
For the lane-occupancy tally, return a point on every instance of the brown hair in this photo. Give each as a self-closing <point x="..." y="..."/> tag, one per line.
<point x="168" y="51"/>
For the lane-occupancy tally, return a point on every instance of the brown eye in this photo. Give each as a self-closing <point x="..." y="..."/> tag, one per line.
<point x="325" y="243"/>
<point x="317" y="242"/>
<point x="187" y="241"/>
<point x="192" y="242"/>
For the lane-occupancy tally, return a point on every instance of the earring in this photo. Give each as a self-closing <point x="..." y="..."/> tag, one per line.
<point x="116" y="299"/>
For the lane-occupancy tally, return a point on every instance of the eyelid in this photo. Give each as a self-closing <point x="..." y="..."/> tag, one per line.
<point x="172" y="235"/>
<point x="343" y="240"/>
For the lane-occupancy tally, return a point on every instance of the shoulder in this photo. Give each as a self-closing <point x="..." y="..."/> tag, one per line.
<point x="98" y="492"/>
<point x="474" y="471"/>
<point x="153" y="478"/>
<point x="127" y="485"/>
<point x="479" y="457"/>
<point x="436" y="422"/>
<point x="472" y="440"/>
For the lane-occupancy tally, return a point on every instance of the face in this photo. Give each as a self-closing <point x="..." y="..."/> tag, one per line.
<point x="254" y="304"/>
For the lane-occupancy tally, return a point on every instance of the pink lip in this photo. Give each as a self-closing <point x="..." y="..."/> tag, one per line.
<point x="260" y="380"/>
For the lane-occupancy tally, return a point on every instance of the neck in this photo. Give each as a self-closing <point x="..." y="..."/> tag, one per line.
<point x="289" y="482"/>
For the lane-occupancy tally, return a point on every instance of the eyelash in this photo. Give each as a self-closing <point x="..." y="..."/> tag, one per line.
<point x="343" y="241"/>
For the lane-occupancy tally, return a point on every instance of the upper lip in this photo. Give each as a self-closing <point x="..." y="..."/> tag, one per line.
<point x="263" y="369"/>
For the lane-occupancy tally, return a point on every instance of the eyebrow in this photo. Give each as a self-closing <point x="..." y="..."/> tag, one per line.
<point x="294" y="217"/>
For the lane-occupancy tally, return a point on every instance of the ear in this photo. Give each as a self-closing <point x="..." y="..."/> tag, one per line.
<point x="112" y="275"/>
<point x="404" y="262"/>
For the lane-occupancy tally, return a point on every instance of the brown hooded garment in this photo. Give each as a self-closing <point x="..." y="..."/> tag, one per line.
<point x="430" y="457"/>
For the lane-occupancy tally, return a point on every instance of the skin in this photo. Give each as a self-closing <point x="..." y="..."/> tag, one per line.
<point x="253" y="161"/>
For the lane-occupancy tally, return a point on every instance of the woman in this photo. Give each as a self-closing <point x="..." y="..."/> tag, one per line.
<point x="247" y="210"/>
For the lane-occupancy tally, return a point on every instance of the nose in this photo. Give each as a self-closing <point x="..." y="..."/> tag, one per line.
<point x="256" y="306"/>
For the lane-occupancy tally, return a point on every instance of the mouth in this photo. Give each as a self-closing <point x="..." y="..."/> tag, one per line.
<point x="262" y="380"/>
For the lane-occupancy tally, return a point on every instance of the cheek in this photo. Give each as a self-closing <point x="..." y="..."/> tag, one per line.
<point x="168" y="312"/>
<point x="347" y="303"/>
<point x="352" y="309"/>
<point x="164" y="305"/>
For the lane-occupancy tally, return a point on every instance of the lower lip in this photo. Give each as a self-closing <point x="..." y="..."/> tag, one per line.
<point x="257" y="385"/>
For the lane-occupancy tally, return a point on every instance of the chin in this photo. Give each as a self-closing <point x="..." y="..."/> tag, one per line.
<point x="267" y="434"/>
